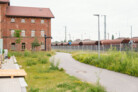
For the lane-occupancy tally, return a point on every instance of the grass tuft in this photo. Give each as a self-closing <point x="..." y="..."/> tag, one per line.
<point x="30" y="62"/>
<point x="42" y="60"/>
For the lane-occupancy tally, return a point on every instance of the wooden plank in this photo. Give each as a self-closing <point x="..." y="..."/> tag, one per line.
<point x="12" y="73"/>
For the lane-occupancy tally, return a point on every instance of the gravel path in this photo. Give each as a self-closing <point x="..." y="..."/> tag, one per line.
<point x="112" y="81"/>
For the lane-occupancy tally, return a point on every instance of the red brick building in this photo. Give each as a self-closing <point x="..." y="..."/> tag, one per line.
<point x="33" y="23"/>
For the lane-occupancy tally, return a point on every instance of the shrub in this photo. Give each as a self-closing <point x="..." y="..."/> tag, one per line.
<point x="30" y="62"/>
<point x="61" y="69"/>
<point x="48" y="54"/>
<point x="27" y="53"/>
<point x="53" y="65"/>
<point x="9" y="55"/>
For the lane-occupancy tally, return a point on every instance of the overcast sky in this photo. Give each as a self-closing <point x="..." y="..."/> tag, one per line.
<point x="77" y="15"/>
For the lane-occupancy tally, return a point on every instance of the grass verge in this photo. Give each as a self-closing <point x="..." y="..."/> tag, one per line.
<point x="123" y="62"/>
<point x="44" y="76"/>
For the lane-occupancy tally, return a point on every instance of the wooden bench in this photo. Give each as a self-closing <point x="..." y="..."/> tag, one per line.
<point x="12" y="73"/>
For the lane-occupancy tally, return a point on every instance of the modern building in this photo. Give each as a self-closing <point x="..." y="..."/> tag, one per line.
<point x="32" y="22"/>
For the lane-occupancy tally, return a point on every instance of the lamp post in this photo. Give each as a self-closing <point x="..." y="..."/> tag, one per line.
<point x="104" y="27"/>
<point x="65" y="34"/>
<point x="98" y="15"/>
<point x="46" y="37"/>
<point x="131" y="31"/>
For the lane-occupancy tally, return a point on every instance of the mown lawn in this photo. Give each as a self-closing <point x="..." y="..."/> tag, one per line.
<point x="43" y="76"/>
<point x="123" y="62"/>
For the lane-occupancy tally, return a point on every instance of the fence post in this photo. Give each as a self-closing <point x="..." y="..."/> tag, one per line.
<point x="103" y="48"/>
<point x="120" y="47"/>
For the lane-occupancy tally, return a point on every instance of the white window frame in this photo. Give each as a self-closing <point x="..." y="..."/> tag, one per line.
<point x="42" y="33"/>
<point x="12" y="20"/>
<point x="23" y="33"/>
<point x="22" y="20"/>
<point x="23" y="46"/>
<point x="12" y="33"/>
<point x="42" y="46"/>
<point x="33" y="33"/>
<point x="32" y="20"/>
<point x="42" y="21"/>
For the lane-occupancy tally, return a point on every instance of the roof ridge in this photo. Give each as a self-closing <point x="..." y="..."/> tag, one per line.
<point x="29" y="7"/>
<point x="29" y="11"/>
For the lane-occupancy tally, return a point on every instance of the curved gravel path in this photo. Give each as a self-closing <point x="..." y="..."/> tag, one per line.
<point x="112" y="81"/>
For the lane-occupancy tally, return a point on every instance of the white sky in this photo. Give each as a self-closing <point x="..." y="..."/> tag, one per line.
<point x="77" y="15"/>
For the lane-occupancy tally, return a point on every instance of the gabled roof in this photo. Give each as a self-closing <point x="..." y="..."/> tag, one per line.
<point x="15" y="11"/>
<point x="5" y="1"/>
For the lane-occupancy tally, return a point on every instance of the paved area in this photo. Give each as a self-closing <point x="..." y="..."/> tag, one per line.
<point x="9" y="64"/>
<point x="12" y="85"/>
<point x="112" y="81"/>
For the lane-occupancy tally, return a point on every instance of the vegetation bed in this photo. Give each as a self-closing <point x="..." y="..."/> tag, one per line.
<point x="44" y="76"/>
<point x="124" y="62"/>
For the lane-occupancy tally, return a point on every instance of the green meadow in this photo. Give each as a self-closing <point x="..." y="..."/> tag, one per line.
<point x="123" y="62"/>
<point x="45" y="76"/>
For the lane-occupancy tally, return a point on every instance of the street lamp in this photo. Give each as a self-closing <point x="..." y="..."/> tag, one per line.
<point x="104" y="27"/>
<point x="98" y="15"/>
<point x="46" y="37"/>
<point x="131" y="31"/>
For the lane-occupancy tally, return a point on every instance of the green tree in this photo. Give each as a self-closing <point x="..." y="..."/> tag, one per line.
<point x="69" y="40"/>
<point x="35" y="44"/>
<point x="112" y="37"/>
<point x="18" y="37"/>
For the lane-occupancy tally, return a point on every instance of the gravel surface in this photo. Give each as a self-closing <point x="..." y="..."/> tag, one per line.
<point x="112" y="81"/>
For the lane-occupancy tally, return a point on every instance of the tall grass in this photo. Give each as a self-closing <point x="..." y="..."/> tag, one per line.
<point x="124" y="62"/>
<point x="45" y="76"/>
<point x="30" y="62"/>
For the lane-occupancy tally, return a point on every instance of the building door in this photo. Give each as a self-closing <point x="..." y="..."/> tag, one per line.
<point x="13" y="46"/>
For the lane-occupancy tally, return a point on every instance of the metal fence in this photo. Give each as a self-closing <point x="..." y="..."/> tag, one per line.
<point x="120" y="47"/>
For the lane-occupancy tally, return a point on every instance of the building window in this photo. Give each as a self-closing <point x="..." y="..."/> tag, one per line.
<point x="32" y="20"/>
<point x="23" y="46"/>
<point x="23" y="33"/>
<point x="22" y="20"/>
<point x="12" y="33"/>
<point x="32" y="33"/>
<point x="42" y="21"/>
<point x="42" y="33"/>
<point x="42" y="46"/>
<point x="13" y="46"/>
<point x="12" y="20"/>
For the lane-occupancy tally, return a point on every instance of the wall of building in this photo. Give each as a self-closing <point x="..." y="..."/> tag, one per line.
<point x="3" y="7"/>
<point x="6" y="26"/>
<point x="28" y="27"/>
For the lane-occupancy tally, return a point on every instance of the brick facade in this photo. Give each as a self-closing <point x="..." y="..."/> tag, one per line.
<point x="6" y="26"/>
